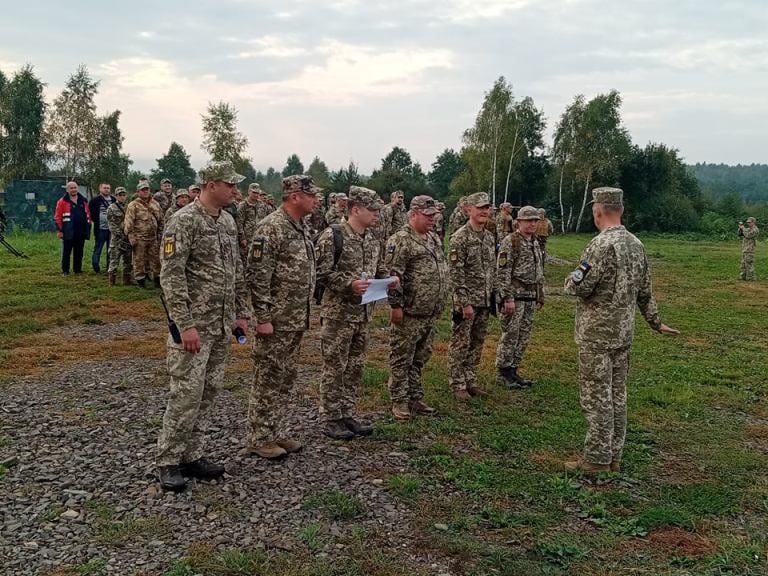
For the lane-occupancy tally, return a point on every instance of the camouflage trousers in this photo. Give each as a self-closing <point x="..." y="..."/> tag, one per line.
<point x="747" y="266"/>
<point x="195" y="381"/>
<point x="515" y="333"/>
<point x="410" y="344"/>
<point x="343" y="345"/>
<point x="274" y="359"/>
<point x="603" y="380"/>
<point x="465" y="348"/>
<point x="146" y="258"/>
<point x="118" y="251"/>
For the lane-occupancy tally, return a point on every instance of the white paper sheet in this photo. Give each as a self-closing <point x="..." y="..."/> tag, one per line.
<point x="377" y="290"/>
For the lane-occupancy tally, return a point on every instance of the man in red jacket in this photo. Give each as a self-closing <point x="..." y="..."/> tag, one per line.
<point x="73" y="222"/>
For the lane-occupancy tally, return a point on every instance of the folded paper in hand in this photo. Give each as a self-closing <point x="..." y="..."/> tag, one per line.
<point x="377" y="290"/>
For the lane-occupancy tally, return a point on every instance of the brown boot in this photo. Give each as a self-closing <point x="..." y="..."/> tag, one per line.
<point x="289" y="445"/>
<point x="112" y="278"/>
<point x="127" y="279"/>
<point x="269" y="450"/>
<point x="463" y="396"/>
<point x="582" y="465"/>
<point x="421" y="407"/>
<point x="477" y="391"/>
<point x="401" y="411"/>
<point x="616" y="466"/>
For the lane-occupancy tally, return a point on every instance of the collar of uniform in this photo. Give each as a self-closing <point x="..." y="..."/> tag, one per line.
<point x="202" y="209"/>
<point x="299" y="226"/>
<point x="611" y="228"/>
<point x="353" y="232"/>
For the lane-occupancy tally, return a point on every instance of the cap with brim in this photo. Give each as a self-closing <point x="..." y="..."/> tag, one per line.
<point x="194" y="187"/>
<point x="181" y="192"/>
<point x="608" y="196"/>
<point x="254" y="187"/>
<point x="528" y="213"/>
<point x="363" y="197"/>
<point x="166" y="181"/>
<point x="221" y="172"/>
<point x="478" y="200"/>
<point x="142" y="186"/>
<point x="120" y="190"/>
<point x="751" y="219"/>
<point x="298" y="183"/>
<point x="341" y="196"/>
<point x="424" y="205"/>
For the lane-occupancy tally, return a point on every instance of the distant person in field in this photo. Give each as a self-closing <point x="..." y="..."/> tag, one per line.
<point x="73" y="222"/>
<point x="544" y="230"/>
<point x="120" y="247"/>
<point x="611" y="280"/>
<point x="98" y="207"/>
<point x="749" y="239"/>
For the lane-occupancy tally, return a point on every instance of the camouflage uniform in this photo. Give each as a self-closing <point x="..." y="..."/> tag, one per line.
<point x="142" y="225"/>
<point x="420" y="264"/>
<point x="543" y="231"/>
<point x="439" y="227"/>
<point x="204" y="287"/>
<point x="748" y="252"/>
<point x="164" y="200"/>
<point x="394" y="217"/>
<point x="248" y="218"/>
<point x="505" y="225"/>
<point x="612" y="279"/>
<point x="119" y="247"/>
<point x="173" y="208"/>
<point x="316" y="221"/>
<point x="334" y="215"/>
<point x="519" y="278"/>
<point x="472" y="265"/>
<point x="344" y="333"/>
<point x="458" y="217"/>
<point x="281" y="277"/>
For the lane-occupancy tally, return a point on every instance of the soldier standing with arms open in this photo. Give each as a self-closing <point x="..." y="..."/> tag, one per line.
<point x="520" y="286"/>
<point x="415" y="256"/>
<point x="612" y="278"/>
<point x="281" y="278"/>
<point x="472" y="264"/>
<point x="142" y="225"/>
<point x="204" y="287"/>
<point x="119" y="247"/>
<point x="749" y="234"/>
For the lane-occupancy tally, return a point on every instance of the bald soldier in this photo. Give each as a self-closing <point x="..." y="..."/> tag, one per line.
<point x="612" y="278"/>
<point x="749" y="235"/>
<point x="281" y="279"/>
<point x="204" y="288"/>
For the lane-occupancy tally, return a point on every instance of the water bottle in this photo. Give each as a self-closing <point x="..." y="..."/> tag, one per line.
<point x="240" y="335"/>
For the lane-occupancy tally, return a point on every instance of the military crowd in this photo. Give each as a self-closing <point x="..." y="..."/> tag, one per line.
<point x="228" y="264"/>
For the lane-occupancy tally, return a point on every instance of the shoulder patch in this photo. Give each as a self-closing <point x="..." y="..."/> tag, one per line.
<point x="257" y="249"/>
<point x="502" y="258"/>
<point x="391" y="248"/>
<point x="169" y="245"/>
<point x="453" y="256"/>
<point x="581" y="272"/>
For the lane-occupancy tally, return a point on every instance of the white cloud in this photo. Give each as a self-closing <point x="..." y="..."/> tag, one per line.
<point x="273" y="46"/>
<point x="147" y="34"/>
<point x="469" y="11"/>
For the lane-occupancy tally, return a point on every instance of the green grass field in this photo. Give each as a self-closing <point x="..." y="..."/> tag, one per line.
<point x="486" y="479"/>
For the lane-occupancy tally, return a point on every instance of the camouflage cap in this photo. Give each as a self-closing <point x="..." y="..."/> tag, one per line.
<point x="166" y="181"/>
<point x="397" y="194"/>
<point x="332" y="195"/>
<point x="478" y="200"/>
<point x="297" y="183"/>
<point x="120" y="190"/>
<point x="505" y="205"/>
<point x="181" y="192"/>
<point x="751" y="219"/>
<point x="221" y="171"/>
<point x="341" y="196"/>
<point x="424" y="205"/>
<point x="194" y="187"/>
<point x="363" y="197"/>
<point x="608" y="196"/>
<point x="317" y="189"/>
<point x="528" y="213"/>
<point x="254" y="187"/>
<point x="142" y="185"/>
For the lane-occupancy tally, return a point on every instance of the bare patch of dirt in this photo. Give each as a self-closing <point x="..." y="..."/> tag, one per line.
<point x="674" y="542"/>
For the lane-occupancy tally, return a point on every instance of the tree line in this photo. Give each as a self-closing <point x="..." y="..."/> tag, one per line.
<point x="505" y="152"/>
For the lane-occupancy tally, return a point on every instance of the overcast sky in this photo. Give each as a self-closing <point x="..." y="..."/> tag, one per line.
<point x="349" y="79"/>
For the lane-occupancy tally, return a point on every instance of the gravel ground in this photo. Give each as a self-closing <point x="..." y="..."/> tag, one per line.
<point x="79" y="448"/>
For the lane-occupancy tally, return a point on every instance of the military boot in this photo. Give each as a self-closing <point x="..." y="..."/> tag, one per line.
<point x="290" y="446"/>
<point x="422" y="408"/>
<point x="202" y="469"/>
<point x="127" y="279"/>
<point x="112" y="278"/>
<point x="269" y="450"/>
<point x="616" y="466"/>
<point x="141" y="282"/>
<point x="171" y="478"/>
<point x="477" y="391"/>
<point x="401" y="411"/>
<point x="156" y="280"/>
<point x="507" y="376"/>
<point x="338" y="430"/>
<point x="357" y="427"/>
<point x="582" y="465"/>
<point x="525" y="382"/>
<point x="463" y="395"/>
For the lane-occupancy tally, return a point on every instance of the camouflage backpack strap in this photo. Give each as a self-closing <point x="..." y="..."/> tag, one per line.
<point x="338" y="244"/>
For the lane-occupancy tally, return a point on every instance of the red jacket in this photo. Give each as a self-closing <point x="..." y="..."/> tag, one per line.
<point x="73" y="218"/>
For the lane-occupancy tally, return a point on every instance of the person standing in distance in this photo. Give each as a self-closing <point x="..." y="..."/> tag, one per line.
<point x="472" y="265"/>
<point x="204" y="288"/>
<point x="119" y="247"/>
<point x="98" y="207"/>
<point x="281" y="278"/>
<point x="73" y="222"/>
<point x="749" y="235"/>
<point x="612" y="278"/>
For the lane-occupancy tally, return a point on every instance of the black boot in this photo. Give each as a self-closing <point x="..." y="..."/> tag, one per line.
<point x="523" y="382"/>
<point x="338" y="430"/>
<point x="508" y="376"/>
<point x="141" y="282"/>
<point x="202" y="469"/>
<point x="156" y="280"/>
<point x="171" y="478"/>
<point x="357" y="427"/>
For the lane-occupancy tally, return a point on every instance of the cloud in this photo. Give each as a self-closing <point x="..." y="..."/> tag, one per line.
<point x="272" y="46"/>
<point x="146" y="34"/>
<point x="470" y="11"/>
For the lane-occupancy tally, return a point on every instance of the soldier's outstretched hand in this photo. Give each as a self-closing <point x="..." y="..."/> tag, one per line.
<point x="664" y="329"/>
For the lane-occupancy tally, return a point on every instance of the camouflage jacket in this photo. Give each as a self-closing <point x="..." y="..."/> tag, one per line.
<point x="613" y="277"/>
<point x="165" y="200"/>
<point x="248" y="218"/>
<point x="423" y="271"/>
<point x="439" y="224"/>
<point x="202" y="273"/>
<point x="749" y="239"/>
<point x="544" y="228"/>
<point x="519" y="269"/>
<point x="143" y="220"/>
<point x="505" y="225"/>
<point x="394" y="217"/>
<point x="281" y="272"/>
<point x="333" y="216"/>
<point x="115" y="219"/>
<point x="360" y="254"/>
<point x="472" y="265"/>
<point x="457" y="219"/>
<point x="315" y="222"/>
<point x="172" y="209"/>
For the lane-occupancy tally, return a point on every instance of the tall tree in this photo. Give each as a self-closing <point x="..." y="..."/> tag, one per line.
<point x="446" y="167"/>
<point x="73" y="125"/>
<point x="344" y="178"/>
<point x="175" y="166"/>
<point x="221" y="138"/>
<point x="293" y="166"/>
<point x="107" y="162"/>
<point x="3" y="91"/>
<point x="523" y="136"/>
<point x="319" y="172"/>
<point x="564" y="149"/>
<point x="399" y="172"/>
<point x="22" y="117"/>
<point x="244" y="167"/>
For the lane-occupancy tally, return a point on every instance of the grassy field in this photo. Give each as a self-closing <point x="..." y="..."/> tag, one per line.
<point x="486" y="479"/>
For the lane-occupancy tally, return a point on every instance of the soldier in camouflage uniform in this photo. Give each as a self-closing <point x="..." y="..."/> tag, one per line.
<point x="338" y="211"/>
<point x="345" y="321"/>
<point x="520" y="288"/>
<point x="612" y="278"/>
<point x="315" y="222"/>
<point x="180" y="199"/>
<point x="165" y="196"/>
<point x="749" y="235"/>
<point x="543" y="231"/>
<point x="472" y="265"/>
<point x="458" y="216"/>
<point x="439" y="222"/>
<point x="194" y="191"/>
<point x="142" y="225"/>
<point x="505" y="223"/>
<point x="205" y="290"/>
<point x="415" y="256"/>
<point x="249" y="214"/>
<point x="281" y="278"/>
<point x="393" y="215"/>
<point x="119" y="247"/>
